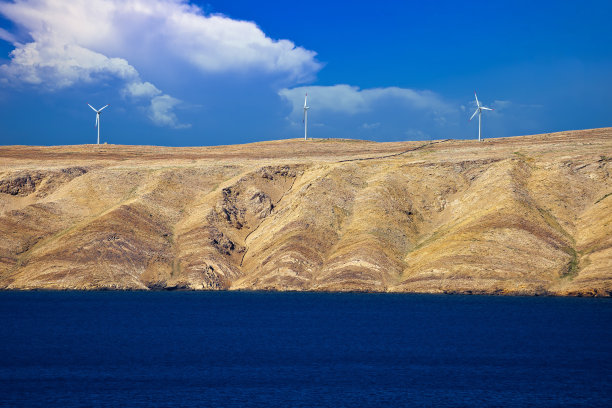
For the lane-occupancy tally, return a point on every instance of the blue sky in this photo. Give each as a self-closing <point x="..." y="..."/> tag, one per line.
<point x="221" y="72"/>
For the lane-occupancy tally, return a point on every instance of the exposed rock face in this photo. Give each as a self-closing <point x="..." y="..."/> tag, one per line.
<point x="25" y="183"/>
<point x="523" y="215"/>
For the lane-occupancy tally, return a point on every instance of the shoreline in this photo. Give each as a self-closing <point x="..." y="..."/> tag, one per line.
<point x="596" y="294"/>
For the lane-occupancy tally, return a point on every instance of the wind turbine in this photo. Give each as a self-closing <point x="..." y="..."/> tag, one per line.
<point x="479" y="109"/>
<point x="98" y="119"/>
<point x="306" y="117"/>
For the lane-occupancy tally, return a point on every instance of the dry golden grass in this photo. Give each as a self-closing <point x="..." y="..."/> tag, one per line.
<point x="521" y="215"/>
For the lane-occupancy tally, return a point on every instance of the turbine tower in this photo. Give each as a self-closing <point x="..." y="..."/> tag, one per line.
<point x="479" y="109"/>
<point x="98" y="119"/>
<point x="306" y="117"/>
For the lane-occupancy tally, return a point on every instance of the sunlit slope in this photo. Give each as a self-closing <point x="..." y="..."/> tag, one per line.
<point x="523" y="215"/>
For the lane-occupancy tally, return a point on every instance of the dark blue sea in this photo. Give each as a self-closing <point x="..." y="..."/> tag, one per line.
<point x="242" y="349"/>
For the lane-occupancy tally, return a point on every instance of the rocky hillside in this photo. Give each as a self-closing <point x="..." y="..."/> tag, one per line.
<point x="521" y="215"/>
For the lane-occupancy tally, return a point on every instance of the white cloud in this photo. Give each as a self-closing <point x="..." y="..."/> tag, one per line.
<point x="55" y="65"/>
<point x="161" y="111"/>
<point x="80" y="41"/>
<point x="374" y="113"/>
<point x="351" y="100"/>
<point x="141" y="90"/>
<point x="6" y="36"/>
<point x="217" y="43"/>
<point x="152" y="31"/>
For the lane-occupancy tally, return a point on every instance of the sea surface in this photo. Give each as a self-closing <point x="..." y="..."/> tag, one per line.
<point x="244" y="349"/>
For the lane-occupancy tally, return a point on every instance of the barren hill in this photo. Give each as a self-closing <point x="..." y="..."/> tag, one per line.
<point x="520" y="215"/>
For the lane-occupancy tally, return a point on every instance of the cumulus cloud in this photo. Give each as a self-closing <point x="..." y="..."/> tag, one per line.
<point x="217" y="43"/>
<point x="154" y="30"/>
<point x="55" y="65"/>
<point x="393" y="113"/>
<point x="81" y="41"/>
<point x="352" y="100"/>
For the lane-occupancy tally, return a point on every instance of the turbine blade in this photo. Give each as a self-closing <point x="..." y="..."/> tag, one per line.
<point x="102" y="108"/>
<point x="476" y="96"/>
<point x="482" y="107"/>
<point x="92" y="108"/>
<point x="475" y="112"/>
<point x="305" y="100"/>
<point x="97" y="118"/>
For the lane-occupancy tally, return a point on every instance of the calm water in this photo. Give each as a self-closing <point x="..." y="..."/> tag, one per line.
<point x="188" y="349"/>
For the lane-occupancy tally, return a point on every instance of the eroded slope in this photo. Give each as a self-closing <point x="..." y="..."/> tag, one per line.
<point x="523" y="215"/>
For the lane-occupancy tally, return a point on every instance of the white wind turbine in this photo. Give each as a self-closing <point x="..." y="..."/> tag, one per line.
<point x="306" y="117"/>
<point x="98" y="119"/>
<point x="479" y="109"/>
